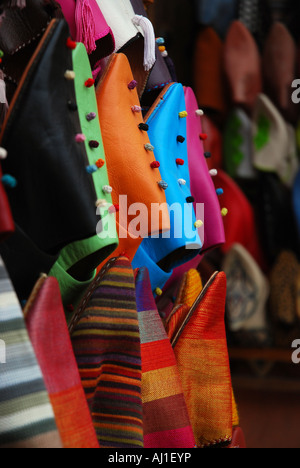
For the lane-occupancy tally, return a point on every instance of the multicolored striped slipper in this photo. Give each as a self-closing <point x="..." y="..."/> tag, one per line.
<point x="166" y="419"/>
<point x="200" y="348"/>
<point x="48" y="332"/>
<point x="106" y="341"/>
<point x="26" y="414"/>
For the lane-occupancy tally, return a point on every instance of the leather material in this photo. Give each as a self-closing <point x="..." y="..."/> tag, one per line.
<point x="54" y="201"/>
<point x="202" y="187"/>
<point x="276" y="217"/>
<point x="129" y="38"/>
<point x="274" y="142"/>
<point x="128" y="246"/>
<point x="238" y="145"/>
<point x="25" y="262"/>
<point x="160" y="75"/>
<point x="77" y="261"/>
<point x="6" y="221"/>
<point x="279" y="69"/>
<point x="103" y="37"/>
<point x="165" y="125"/>
<point x="158" y="277"/>
<point x="118" y="15"/>
<point x="238" y="439"/>
<point x="213" y="145"/>
<point x="240" y="223"/>
<point x="208" y="71"/>
<point x="242" y="66"/>
<point x="20" y="33"/>
<point x="128" y="161"/>
<point x="218" y="14"/>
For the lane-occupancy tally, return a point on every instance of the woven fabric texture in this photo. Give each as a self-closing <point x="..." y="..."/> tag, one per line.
<point x="49" y="335"/>
<point x="26" y="414"/>
<point x="166" y="419"/>
<point x="106" y="342"/>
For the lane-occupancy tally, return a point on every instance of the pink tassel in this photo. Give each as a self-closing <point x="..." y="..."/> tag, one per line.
<point x="85" y="24"/>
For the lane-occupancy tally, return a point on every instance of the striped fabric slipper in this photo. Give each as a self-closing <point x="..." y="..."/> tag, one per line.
<point x="166" y="419"/>
<point x="200" y="348"/>
<point x="26" y="414"/>
<point x="106" y="341"/>
<point x="48" y="331"/>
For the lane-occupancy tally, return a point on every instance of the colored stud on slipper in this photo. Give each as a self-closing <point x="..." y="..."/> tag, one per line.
<point x="224" y="212"/>
<point x="149" y="147"/>
<point x="136" y="109"/>
<point x="89" y="83"/>
<point x="203" y="136"/>
<point x="9" y="181"/>
<point x="107" y="189"/>
<point x="94" y="144"/>
<point x="199" y="112"/>
<point x="213" y="172"/>
<point x="100" y="163"/>
<point x="71" y="44"/>
<point x="180" y="162"/>
<point x="80" y="138"/>
<point x="198" y="224"/>
<point x="70" y="75"/>
<point x="183" y="114"/>
<point x="163" y="185"/>
<point x="3" y="153"/>
<point x="132" y="85"/>
<point x="182" y="182"/>
<point x="219" y="191"/>
<point x="144" y="127"/>
<point x="101" y="203"/>
<point x="180" y="139"/>
<point x="91" y="116"/>
<point x="155" y="165"/>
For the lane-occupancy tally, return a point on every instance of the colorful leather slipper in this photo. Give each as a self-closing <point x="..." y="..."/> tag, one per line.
<point x="49" y="335"/>
<point x="160" y="75"/>
<point x="77" y="262"/>
<point x="26" y="415"/>
<point x="279" y="69"/>
<point x="200" y="348"/>
<point x="168" y="114"/>
<point x="273" y="149"/>
<point x="202" y="187"/>
<point x="165" y="417"/>
<point x="208" y="71"/>
<point x="247" y="295"/>
<point x="242" y="66"/>
<point x="106" y="341"/>
<point x="20" y="34"/>
<point x="283" y="280"/>
<point x="127" y="146"/>
<point x="213" y="144"/>
<point x="219" y="14"/>
<point x="275" y="213"/>
<point x="89" y="27"/>
<point x="240" y="223"/>
<point x="134" y="36"/>
<point x="238" y="145"/>
<point x="59" y="133"/>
